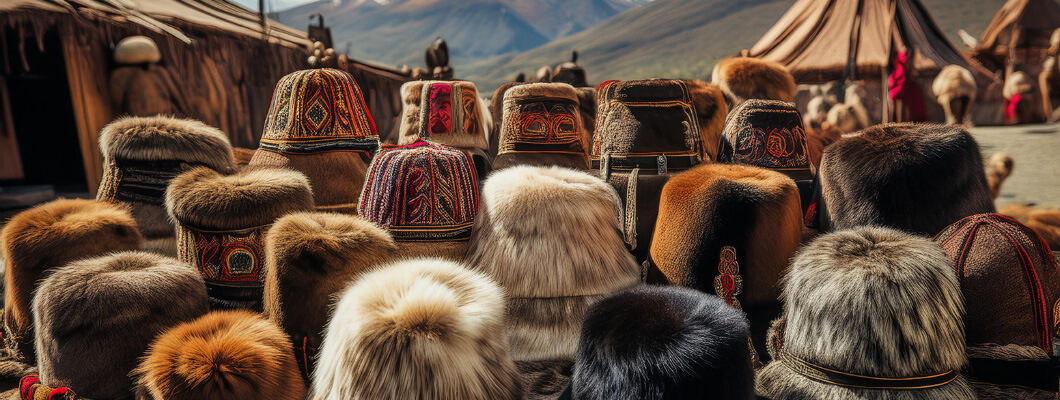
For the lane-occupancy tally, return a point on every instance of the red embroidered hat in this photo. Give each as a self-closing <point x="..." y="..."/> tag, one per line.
<point x="542" y="126"/>
<point x="445" y="112"/>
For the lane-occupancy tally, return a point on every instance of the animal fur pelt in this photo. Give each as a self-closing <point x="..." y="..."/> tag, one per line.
<point x="744" y="78"/>
<point x="95" y="318"/>
<point x="545" y="379"/>
<point x="658" y="342"/>
<point x="1044" y="222"/>
<point x="206" y="199"/>
<point x="873" y="302"/>
<point x="469" y="122"/>
<point x="955" y="91"/>
<point x="417" y="329"/>
<point x="817" y="139"/>
<point x="222" y="355"/>
<point x="12" y="370"/>
<point x="309" y="258"/>
<point x="998" y="167"/>
<point x="848" y="117"/>
<point x="39" y="240"/>
<point x="916" y="177"/>
<point x="160" y="138"/>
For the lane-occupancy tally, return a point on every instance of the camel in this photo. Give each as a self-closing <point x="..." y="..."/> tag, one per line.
<point x="955" y="91"/>
<point x="1022" y="105"/>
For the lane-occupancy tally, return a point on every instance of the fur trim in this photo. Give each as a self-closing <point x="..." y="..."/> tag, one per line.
<point x="819" y="139"/>
<point x="866" y="178"/>
<point x="987" y="391"/>
<point x="161" y="138"/>
<point x="310" y="257"/>
<point x="743" y="78"/>
<point x="422" y="328"/>
<point x="871" y="301"/>
<point x="414" y="106"/>
<point x="711" y="109"/>
<point x="222" y="355"/>
<point x="755" y="210"/>
<point x="545" y="380"/>
<point x="650" y="340"/>
<point x="553" y="90"/>
<point x="998" y="168"/>
<point x="37" y="241"/>
<point x="1008" y="352"/>
<point x="95" y="318"/>
<point x="206" y="199"/>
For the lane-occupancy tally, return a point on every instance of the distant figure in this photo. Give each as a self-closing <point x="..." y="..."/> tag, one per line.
<point x="544" y="74"/>
<point x="438" y="60"/>
<point x="570" y="72"/>
<point x="848" y="118"/>
<point x="904" y="90"/>
<point x="140" y="86"/>
<point x="1021" y="105"/>
<point x="955" y="91"/>
<point x="817" y="110"/>
<point x="520" y="78"/>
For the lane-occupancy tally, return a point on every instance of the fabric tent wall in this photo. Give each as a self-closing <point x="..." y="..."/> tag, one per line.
<point x="1020" y="29"/>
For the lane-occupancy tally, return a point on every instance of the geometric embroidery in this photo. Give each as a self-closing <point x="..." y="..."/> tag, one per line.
<point x="440" y="111"/>
<point x="728" y="284"/>
<point x="236" y="256"/>
<point x="315" y="105"/>
<point x="551" y="125"/>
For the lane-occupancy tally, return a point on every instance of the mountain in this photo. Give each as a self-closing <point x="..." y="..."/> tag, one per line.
<point x="398" y="31"/>
<point x="683" y="39"/>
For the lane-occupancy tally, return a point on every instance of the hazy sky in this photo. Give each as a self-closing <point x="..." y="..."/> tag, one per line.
<point x="272" y="5"/>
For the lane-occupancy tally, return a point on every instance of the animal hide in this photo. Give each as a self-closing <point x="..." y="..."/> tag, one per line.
<point x="658" y="342"/>
<point x="222" y="355"/>
<point x="955" y="91"/>
<point x="1045" y="222"/>
<point x="873" y="302"/>
<point x="417" y="329"/>
<point x="819" y="139"/>
<point x="205" y="199"/>
<point x="95" y="318"/>
<point x="39" y="240"/>
<point x="916" y="177"/>
<point x="744" y="78"/>
<point x="309" y="258"/>
<point x="542" y="125"/>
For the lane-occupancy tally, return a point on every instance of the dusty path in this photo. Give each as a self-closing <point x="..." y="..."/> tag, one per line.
<point x="1035" y="150"/>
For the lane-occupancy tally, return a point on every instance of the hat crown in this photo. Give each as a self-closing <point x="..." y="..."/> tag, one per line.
<point x="420" y="185"/>
<point x="1004" y="267"/>
<point x="318" y="104"/>
<point x="765" y="133"/>
<point x="446" y="112"/>
<point x="654" y="117"/>
<point x="541" y="117"/>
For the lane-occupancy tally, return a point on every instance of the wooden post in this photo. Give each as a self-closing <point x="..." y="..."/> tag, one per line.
<point x="885" y="101"/>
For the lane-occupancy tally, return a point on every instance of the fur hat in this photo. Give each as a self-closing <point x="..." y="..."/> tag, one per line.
<point x="37" y="241"/>
<point x="309" y="258"/>
<point x="319" y="125"/>
<point x="745" y="78"/>
<point x="769" y="134"/>
<point x="426" y="195"/>
<point x="916" y="177"/>
<point x="542" y="126"/>
<point x="95" y="318"/>
<point x="549" y="236"/>
<point x="446" y="112"/>
<point x="1012" y="295"/>
<point x="586" y="108"/>
<point x="142" y="154"/>
<point x="659" y="342"/>
<point x="417" y="329"/>
<point x="222" y="355"/>
<point x="221" y="225"/>
<point x="872" y="313"/>
<point x="137" y="50"/>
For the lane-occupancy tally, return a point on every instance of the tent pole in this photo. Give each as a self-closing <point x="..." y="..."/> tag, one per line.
<point x="885" y="101"/>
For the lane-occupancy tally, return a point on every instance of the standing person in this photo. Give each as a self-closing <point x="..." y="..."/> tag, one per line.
<point x="139" y="85"/>
<point x="904" y="91"/>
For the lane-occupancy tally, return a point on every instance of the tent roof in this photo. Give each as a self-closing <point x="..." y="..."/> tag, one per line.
<point x="826" y="40"/>
<point x="1037" y="15"/>
<point x="171" y="16"/>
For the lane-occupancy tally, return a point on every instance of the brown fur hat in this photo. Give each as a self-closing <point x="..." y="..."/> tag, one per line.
<point x="222" y="355"/>
<point x="916" y="177"/>
<point x="744" y="78"/>
<point x="1012" y="295"/>
<point x="95" y="318"/>
<point x="550" y="237"/>
<point x="417" y="329"/>
<point x="37" y="241"/>
<point x="309" y="258"/>
<point x="542" y="125"/>
<point x="221" y="225"/>
<point x="586" y="107"/>
<point x="142" y="154"/>
<point x="871" y="302"/>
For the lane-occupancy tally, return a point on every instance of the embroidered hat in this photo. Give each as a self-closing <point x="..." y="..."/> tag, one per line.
<point x="426" y="195"/>
<point x="769" y="134"/>
<point x="418" y="329"/>
<point x="318" y="125"/>
<point x="549" y="236"/>
<point x="919" y="178"/>
<point x="446" y="112"/>
<point x="662" y="342"/>
<point x="309" y="258"/>
<point x="96" y="317"/>
<point x="1012" y="296"/>
<point x="221" y="225"/>
<point x="542" y="126"/>
<point x="41" y="239"/>
<point x="871" y="313"/>
<point x="142" y="154"/>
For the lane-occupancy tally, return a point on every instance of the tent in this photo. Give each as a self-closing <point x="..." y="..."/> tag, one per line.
<point x="830" y="40"/>
<point x="1019" y="33"/>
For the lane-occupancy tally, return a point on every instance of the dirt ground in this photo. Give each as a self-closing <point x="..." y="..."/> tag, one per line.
<point x="1035" y="151"/>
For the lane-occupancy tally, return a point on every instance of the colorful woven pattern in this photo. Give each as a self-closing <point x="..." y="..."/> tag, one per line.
<point x="646" y="118"/>
<point x="765" y="134"/>
<point x="728" y="283"/>
<point x="318" y="110"/>
<point x="440" y="109"/>
<point x="422" y="192"/>
<point x="30" y="388"/>
<point x="541" y="125"/>
<point x="229" y="257"/>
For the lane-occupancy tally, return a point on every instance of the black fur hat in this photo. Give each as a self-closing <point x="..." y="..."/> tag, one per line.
<point x="661" y="342"/>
